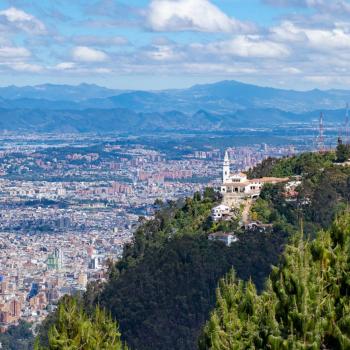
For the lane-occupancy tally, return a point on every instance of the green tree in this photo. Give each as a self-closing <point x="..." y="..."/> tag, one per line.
<point x="18" y="337"/>
<point x="289" y="166"/>
<point x="305" y="304"/>
<point x="342" y="152"/>
<point x="261" y="211"/>
<point x="73" y="329"/>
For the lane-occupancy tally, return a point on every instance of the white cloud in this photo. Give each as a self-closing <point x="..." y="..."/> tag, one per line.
<point x="321" y="39"/>
<point x="325" y="80"/>
<point x="22" y="20"/>
<point x="321" y="5"/>
<point x="250" y="47"/>
<point x="292" y="3"/>
<point x="87" y="54"/>
<point x="75" y="68"/>
<point x="13" y="52"/>
<point x="288" y="31"/>
<point x="16" y="15"/>
<point x="191" y="15"/>
<point x="328" y="39"/>
<point x="291" y="70"/>
<point x="218" y="68"/>
<point x="164" y="53"/>
<point x="65" y="66"/>
<point x="26" y="67"/>
<point x="311" y="47"/>
<point x="100" y="40"/>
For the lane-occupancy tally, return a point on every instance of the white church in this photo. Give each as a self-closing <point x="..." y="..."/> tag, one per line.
<point x="237" y="187"/>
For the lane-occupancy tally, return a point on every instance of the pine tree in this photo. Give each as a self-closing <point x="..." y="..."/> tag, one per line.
<point x="74" y="329"/>
<point x="305" y="304"/>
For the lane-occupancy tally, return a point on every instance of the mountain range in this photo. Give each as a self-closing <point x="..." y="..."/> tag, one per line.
<point x="218" y="106"/>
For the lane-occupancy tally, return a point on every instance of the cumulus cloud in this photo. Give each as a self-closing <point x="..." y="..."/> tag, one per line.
<point x="191" y="15"/>
<point x="18" y="19"/>
<point x="287" y="3"/>
<point x="26" y="67"/>
<point x="288" y="31"/>
<point x="164" y="51"/>
<point x="321" y="39"/>
<point x="291" y="70"/>
<point x="311" y="46"/>
<point x="75" y="68"/>
<point x="336" y="6"/>
<point x="65" y="66"/>
<point x="249" y="46"/>
<point x="219" y="68"/>
<point x="87" y="54"/>
<point x="13" y="52"/>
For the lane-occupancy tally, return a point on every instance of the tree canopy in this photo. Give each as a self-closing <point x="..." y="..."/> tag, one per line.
<point x="305" y="304"/>
<point x="17" y="337"/>
<point x="342" y="152"/>
<point x="300" y="164"/>
<point x="324" y="191"/>
<point x="162" y="290"/>
<point x="72" y="328"/>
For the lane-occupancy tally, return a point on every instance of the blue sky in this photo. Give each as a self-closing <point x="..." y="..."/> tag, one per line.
<point x="157" y="44"/>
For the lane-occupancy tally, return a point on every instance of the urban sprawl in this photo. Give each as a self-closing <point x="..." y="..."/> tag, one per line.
<point x="69" y="204"/>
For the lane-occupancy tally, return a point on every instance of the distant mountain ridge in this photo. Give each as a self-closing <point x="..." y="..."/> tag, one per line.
<point x="126" y="120"/>
<point x="56" y="92"/>
<point x="221" y="97"/>
<point x="218" y="106"/>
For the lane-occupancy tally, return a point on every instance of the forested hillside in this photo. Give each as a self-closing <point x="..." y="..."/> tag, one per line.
<point x="305" y="304"/>
<point x="323" y="192"/>
<point x="162" y="291"/>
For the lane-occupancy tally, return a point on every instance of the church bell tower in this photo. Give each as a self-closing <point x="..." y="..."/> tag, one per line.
<point x="226" y="168"/>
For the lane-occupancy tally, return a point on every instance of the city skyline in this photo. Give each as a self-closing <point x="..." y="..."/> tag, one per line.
<point x="139" y="44"/>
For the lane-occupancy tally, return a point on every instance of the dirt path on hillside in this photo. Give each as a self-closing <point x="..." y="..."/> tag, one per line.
<point x="245" y="214"/>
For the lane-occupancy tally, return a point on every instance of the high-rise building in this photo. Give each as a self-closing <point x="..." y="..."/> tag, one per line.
<point x="15" y="308"/>
<point x="55" y="261"/>
<point x="94" y="263"/>
<point x="82" y="279"/>
<point x="3" y="286"/>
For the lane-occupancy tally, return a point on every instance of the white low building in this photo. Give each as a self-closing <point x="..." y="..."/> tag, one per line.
<point x="220" y="212"/>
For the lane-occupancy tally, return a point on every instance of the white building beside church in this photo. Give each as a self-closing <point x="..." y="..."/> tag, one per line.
<point x="221" y="212"/>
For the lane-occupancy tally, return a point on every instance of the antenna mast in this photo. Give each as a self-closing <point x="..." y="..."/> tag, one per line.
<point x="347" y="124"/>
<point x="321" y="147"/>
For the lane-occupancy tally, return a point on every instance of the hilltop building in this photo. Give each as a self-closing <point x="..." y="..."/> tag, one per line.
<point x="237" y="187"/>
